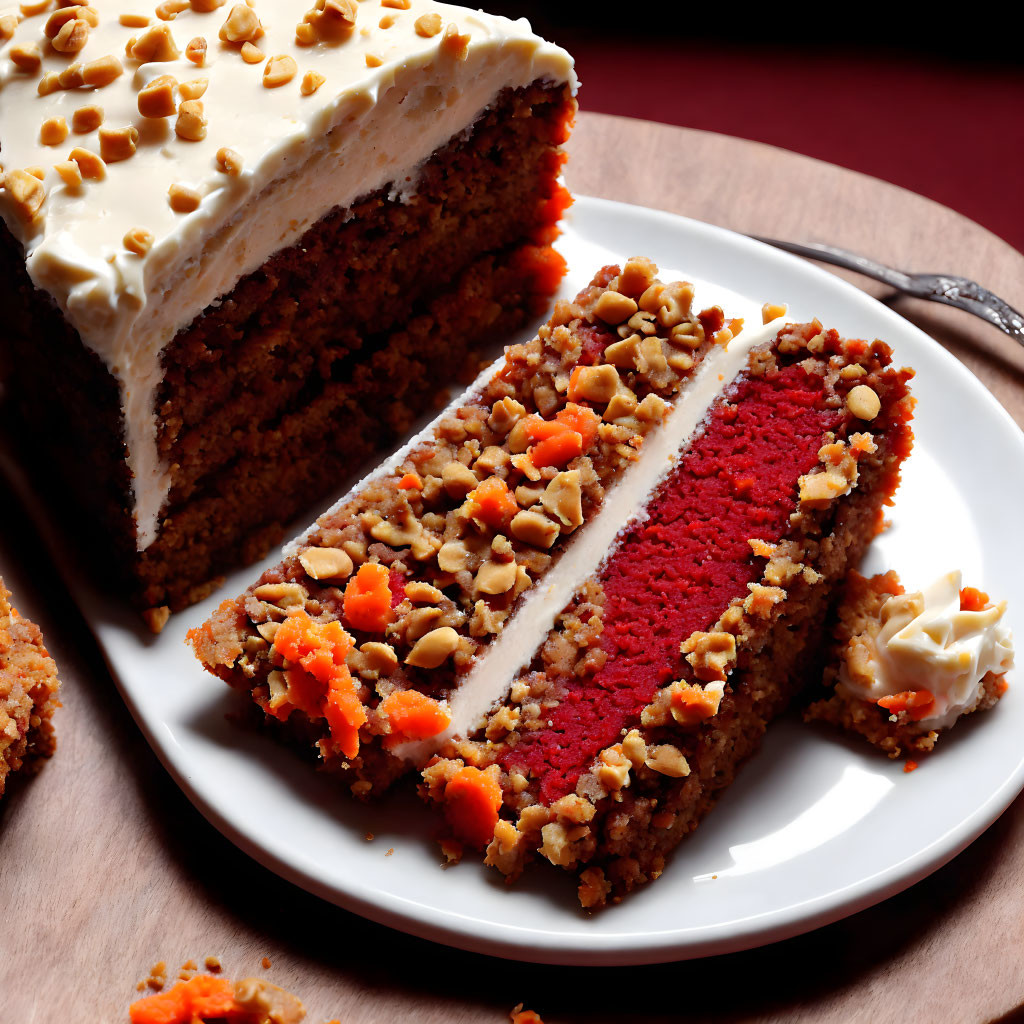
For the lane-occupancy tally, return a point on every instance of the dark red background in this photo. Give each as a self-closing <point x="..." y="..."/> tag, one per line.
<point x="930" y="101"/>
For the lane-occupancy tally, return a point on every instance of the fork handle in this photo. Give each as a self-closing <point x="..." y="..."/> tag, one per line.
<point x="973" y="298"/>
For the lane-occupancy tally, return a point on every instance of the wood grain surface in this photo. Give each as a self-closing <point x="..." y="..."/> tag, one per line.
<point x="106" y="868"/>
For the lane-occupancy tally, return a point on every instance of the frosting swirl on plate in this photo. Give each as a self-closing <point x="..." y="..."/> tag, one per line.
<point x="930" y="644"/>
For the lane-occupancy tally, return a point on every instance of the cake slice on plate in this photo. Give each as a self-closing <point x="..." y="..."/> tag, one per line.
<point x="242" y="246"/>
<point x="575" y="601"/>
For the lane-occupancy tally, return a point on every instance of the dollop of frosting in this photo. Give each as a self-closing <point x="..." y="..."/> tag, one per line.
<point x="928" y="642"/>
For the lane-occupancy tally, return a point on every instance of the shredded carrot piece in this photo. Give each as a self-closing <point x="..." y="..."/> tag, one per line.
<point x="581" y="419"/>
<point x="1002" y="686"/>
<point x="492" y="503"/>
<point x="691" y="705"/>
<point x="410" y="482"/>
<point x="735" y="325"/>
<point x="367" y="601"/>
<point x="472" y="800"/>
<point x="526" y="1017"/>
<point x="910" y="766"/>
<point x="543" y="265"/>
<point x="557" y="441"/>
<point x="973" y="600"/>
<point x="917" y="704"/>
<point x="414" y="716"/>
<point x="200" y="997"/>
<point x="319" y="682"/>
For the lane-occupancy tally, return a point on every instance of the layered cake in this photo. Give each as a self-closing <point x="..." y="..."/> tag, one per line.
<point x="904" y="667"/>
<point x="28" y="693"/>
<point x="575" y="601"/>
<point x="244" y="245"/>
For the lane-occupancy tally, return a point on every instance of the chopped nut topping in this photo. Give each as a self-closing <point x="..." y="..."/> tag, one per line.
<point x="102" y="71"/>
<point x="563" y="498"/>
<point x="433" y="648"/>
<point x="667" y="760"/>
<point x="89" y="163"/>
<point x="138" y="241"/>
<point x="326" y="563"/>
<point x="241" y="25"/>
<point x="400" y="5"/>
<point x="613" y="771"/>
<point x="196" y="51"/>
<point x="34" y="7"/>
<point x="50" y="82"/>
<point x="496" y="577"/>
<point x="305" y="34"/>
<point x="595" y="383"/>
<point x="229" y="162"/>
<point x="712" y="655"/>
<point x="156" y="618"/>
<point x="373" y="61"/>
<point x="283" y="595"/>
<point x="26" y="57"/>
<point x="157" y="98"/>
<point x="422" y="593"/>
<point x="634" y="747"/>
<point x="772" y="311"/>
<point x="428" y="25"/>
<point x="458" y="479"/>
<point x="863" y="402"/>
<point x="73" y="35"/>
<point x="133" y="20"/>
<point x="168" y="10"/>
<point x="156" y="44"/>
<point x="70" y="173"/>
<point x="71" y="77"/>
<point x="636" y="278"/>
<point x="311" y="81"/>
<point x="118" y="143"/>
<point x="27" y="192"/>
<point x="191" y="123"/>
<point x="183" y="199"/>
<point x="454" y="44"/>
<point x="8" y="23"/>
<point x="505" y="413"/>
<point x="194" y="89"/>
<point x="251" y="53"/>
<point x="614" y="307"/>
<point x="87" y="119"/>
<point x="56" y="21"/>
<point x="54" y="131"/>
<point x="387" y="21"/>
<point x="206" y="6"/>
<point x="280" y="70"/>
<point x="533" y="528"/>
<point x="762" y="599"/>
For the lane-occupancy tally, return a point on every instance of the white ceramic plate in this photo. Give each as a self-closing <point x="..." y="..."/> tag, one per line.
<point x="815" y="829"/>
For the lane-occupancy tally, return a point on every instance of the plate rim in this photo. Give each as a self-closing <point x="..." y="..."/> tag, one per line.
<point x="634" y="948"/>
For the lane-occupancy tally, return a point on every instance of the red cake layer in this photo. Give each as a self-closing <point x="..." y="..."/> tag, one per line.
<point x="674" y="573"/>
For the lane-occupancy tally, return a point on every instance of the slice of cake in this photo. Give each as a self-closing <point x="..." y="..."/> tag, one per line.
<point x="579" y="597"/>
<point x="242" y="246"/>
<point x="28" y="693"/>
<point x="905" y="667"/>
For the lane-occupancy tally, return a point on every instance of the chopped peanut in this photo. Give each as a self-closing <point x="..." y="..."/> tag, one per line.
<point x="428" y="25"/>
<point x="311" y="81"/>
<point x="279" y="71"/>
<point x="87" y="119"/>
<point x="433" y="648"/>
<point x="138" y="241"/>
<point x="191" y="123"/>
<point x="54" y="131"/>
<point x="183" y="199"/>
<point x="157" y="98"/>
<point x="118" y="143"/>
<point x="102" y="71"/>
<point x="26" y="57"/>
<point x="89" y="163"/>
<point x="229" y="162"/>
<point x="863" y="402"/>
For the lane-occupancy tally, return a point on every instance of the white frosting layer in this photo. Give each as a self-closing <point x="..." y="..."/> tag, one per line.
<point x="927" y="642"/>
<point x="364" y="128"/>
<point x="496" y="668"/>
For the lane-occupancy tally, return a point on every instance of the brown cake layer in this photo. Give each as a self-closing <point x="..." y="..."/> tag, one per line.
<point x="323" y="355"/>
<point x="28" y="693"/>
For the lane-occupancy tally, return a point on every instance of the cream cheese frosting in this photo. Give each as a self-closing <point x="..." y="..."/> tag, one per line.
<point x="408" y="76"/>
<point x="927" y="642"/>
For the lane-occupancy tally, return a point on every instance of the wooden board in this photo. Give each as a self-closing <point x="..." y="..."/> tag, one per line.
<point x="106" y="868"/>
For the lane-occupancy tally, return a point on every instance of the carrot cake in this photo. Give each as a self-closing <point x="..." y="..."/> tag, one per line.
<point x="577" y="599"/>
<point x="903" y="667"/>
<point x="28" y="693"/>
<point x="243" y="245"/>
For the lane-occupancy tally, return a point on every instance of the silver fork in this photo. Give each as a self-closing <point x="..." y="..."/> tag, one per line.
<point x="953" y="291"/>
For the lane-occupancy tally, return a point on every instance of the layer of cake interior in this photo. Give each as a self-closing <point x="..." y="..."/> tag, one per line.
<point x="675" y="572"/>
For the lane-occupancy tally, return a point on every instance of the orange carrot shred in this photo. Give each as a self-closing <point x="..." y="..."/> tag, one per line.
<point x="492" y="503"/>
<point x="410" y="482"/>
<point x="472" y="800"/>
<point x="414" y="716"/>
<point x="367" y="601"/>
<point x="200" y="997"/>
<point x="917" y="704"/>
<point x="910" y="766"/>
<point x="581" y="419"/>
<point x="973" y="600"/>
